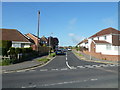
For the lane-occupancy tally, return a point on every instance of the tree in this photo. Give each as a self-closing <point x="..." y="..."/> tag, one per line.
<point x="53" y="42"/>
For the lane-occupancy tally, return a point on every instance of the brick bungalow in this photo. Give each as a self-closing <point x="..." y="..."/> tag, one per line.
<point x="17" y="38"/>
<point x="36" y="40"/>
<point x="105" y="44"/>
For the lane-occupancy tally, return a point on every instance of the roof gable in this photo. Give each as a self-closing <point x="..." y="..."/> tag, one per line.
<point x="13" y="35"/>
<point x="100" y="41"/>
<point x="106" y="31"/>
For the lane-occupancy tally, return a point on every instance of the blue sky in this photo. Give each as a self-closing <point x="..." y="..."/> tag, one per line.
<point x="70" y="22"/>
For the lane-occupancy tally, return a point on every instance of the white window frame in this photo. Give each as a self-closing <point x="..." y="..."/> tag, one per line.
<point x="105" y="37"/>
<point x="108" y="47"/>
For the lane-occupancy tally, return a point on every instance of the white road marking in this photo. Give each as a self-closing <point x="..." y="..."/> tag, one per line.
<point x="69" y="82"/>
<point x="106" y="65"/>
<point x="64" y="69"/>
<point x="81" y="66"/>
<point x="94" y="65"/>
<point x="21" y="71"/>
<point x="112" y="65"/>
<point x="31" y="70"/>
<point x="102" y="65"/>
<point x="23" y="87"/>
<point x="66" y="58"/>
<point x="32" y="86"/>
<point x="94" y="79"/>
<point x="60" y="83"/>
<point x="68" y="65"/>
<point x="89" y="66"/>
<point x="54" y="69"/>
<point x="67" y="62"/>
<point x="72" y="67"/>
<point x="43" y="70"/>
<point x="98" y="66"/>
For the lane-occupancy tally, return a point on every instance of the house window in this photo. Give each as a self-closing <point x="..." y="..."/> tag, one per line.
<point x="116" y="48"/>
<point x="119" y="37"/>
<point x="105" y="37"/>
<point x="98" y="38"/>
<point x="108" y="47"/>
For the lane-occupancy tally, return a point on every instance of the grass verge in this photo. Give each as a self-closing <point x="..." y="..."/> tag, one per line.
<point x="78" y="54"/>
<point x="46" y="59"/>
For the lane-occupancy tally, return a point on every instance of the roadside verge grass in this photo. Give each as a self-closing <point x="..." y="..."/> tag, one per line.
<point x="78" y="54"/>
<point x="46" y="59"/>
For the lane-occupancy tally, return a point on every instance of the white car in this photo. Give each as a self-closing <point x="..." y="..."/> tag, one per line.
<point x="69" y="49"/>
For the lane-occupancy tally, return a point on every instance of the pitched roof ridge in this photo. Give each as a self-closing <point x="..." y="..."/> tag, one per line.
<point x="105" y="31"/>
<point x="7" y="29"/>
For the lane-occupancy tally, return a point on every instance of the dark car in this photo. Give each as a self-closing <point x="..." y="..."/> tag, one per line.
<point x="60" y="52"/>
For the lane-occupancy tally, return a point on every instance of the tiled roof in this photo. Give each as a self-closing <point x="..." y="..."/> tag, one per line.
<point x="30" y="40"/>
<point x="100" y="41"/>
<point x="43" y="38"/>
<point x="13" y="35"/>
<point x="106" y="31"/>
<point x="83" y="41"/>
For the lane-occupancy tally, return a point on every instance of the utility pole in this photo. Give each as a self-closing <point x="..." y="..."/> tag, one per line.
<point x="38" y="31"/>
<point x="50" y="43"/>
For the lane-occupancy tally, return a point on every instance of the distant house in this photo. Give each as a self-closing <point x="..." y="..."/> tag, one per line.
<point x="33" y="39"/>
<point x="44" y="41"/>
<point x="36" y="40"/>
<point x="83" y="43"/>
<point x="17" y="38"/>
<point x="105" y="44"/>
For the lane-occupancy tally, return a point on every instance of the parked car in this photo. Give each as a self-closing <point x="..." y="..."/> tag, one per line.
<point x="60" y="52"/>
<point x="69" y="49"/>
<point x="65" y="50"/>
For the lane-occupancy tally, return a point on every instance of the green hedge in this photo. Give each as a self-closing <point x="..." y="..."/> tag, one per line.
<point x="4" y="47"/>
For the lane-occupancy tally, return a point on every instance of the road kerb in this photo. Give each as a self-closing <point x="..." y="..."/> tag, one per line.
<point x="28" y="68"/>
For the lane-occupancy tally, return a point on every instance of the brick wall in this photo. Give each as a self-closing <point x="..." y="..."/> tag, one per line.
<point x="105" y="57"/>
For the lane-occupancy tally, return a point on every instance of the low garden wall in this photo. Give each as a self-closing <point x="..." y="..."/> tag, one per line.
<point x="104" y="57"/>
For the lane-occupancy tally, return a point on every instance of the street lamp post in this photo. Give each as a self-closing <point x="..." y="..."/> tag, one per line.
<point x="38" y="31"/>
<point x="50" y="43"/>
<point x="49" y="46"/>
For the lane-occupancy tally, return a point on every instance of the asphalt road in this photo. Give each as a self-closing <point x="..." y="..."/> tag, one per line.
<point x="65" y="71"/>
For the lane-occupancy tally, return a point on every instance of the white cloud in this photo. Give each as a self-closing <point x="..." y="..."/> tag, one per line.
<point x="72" y="24"/>
<point x="71" y="34"/>
<point x="75" y="38"/>
<point x="73" y="21"/>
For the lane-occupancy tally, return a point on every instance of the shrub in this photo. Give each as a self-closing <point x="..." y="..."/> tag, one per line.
<point x="18" y="50"/>
<point x="52" y="55"/>
<point x="12" y="50"/>
<point x="4" y="47"/>
<point x="5" y="44"/>
<point x="6" y="62"/>
<point x="3" y="51"/>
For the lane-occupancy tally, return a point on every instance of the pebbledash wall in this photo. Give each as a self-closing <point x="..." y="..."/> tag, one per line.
<point x="107" y="49"/>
